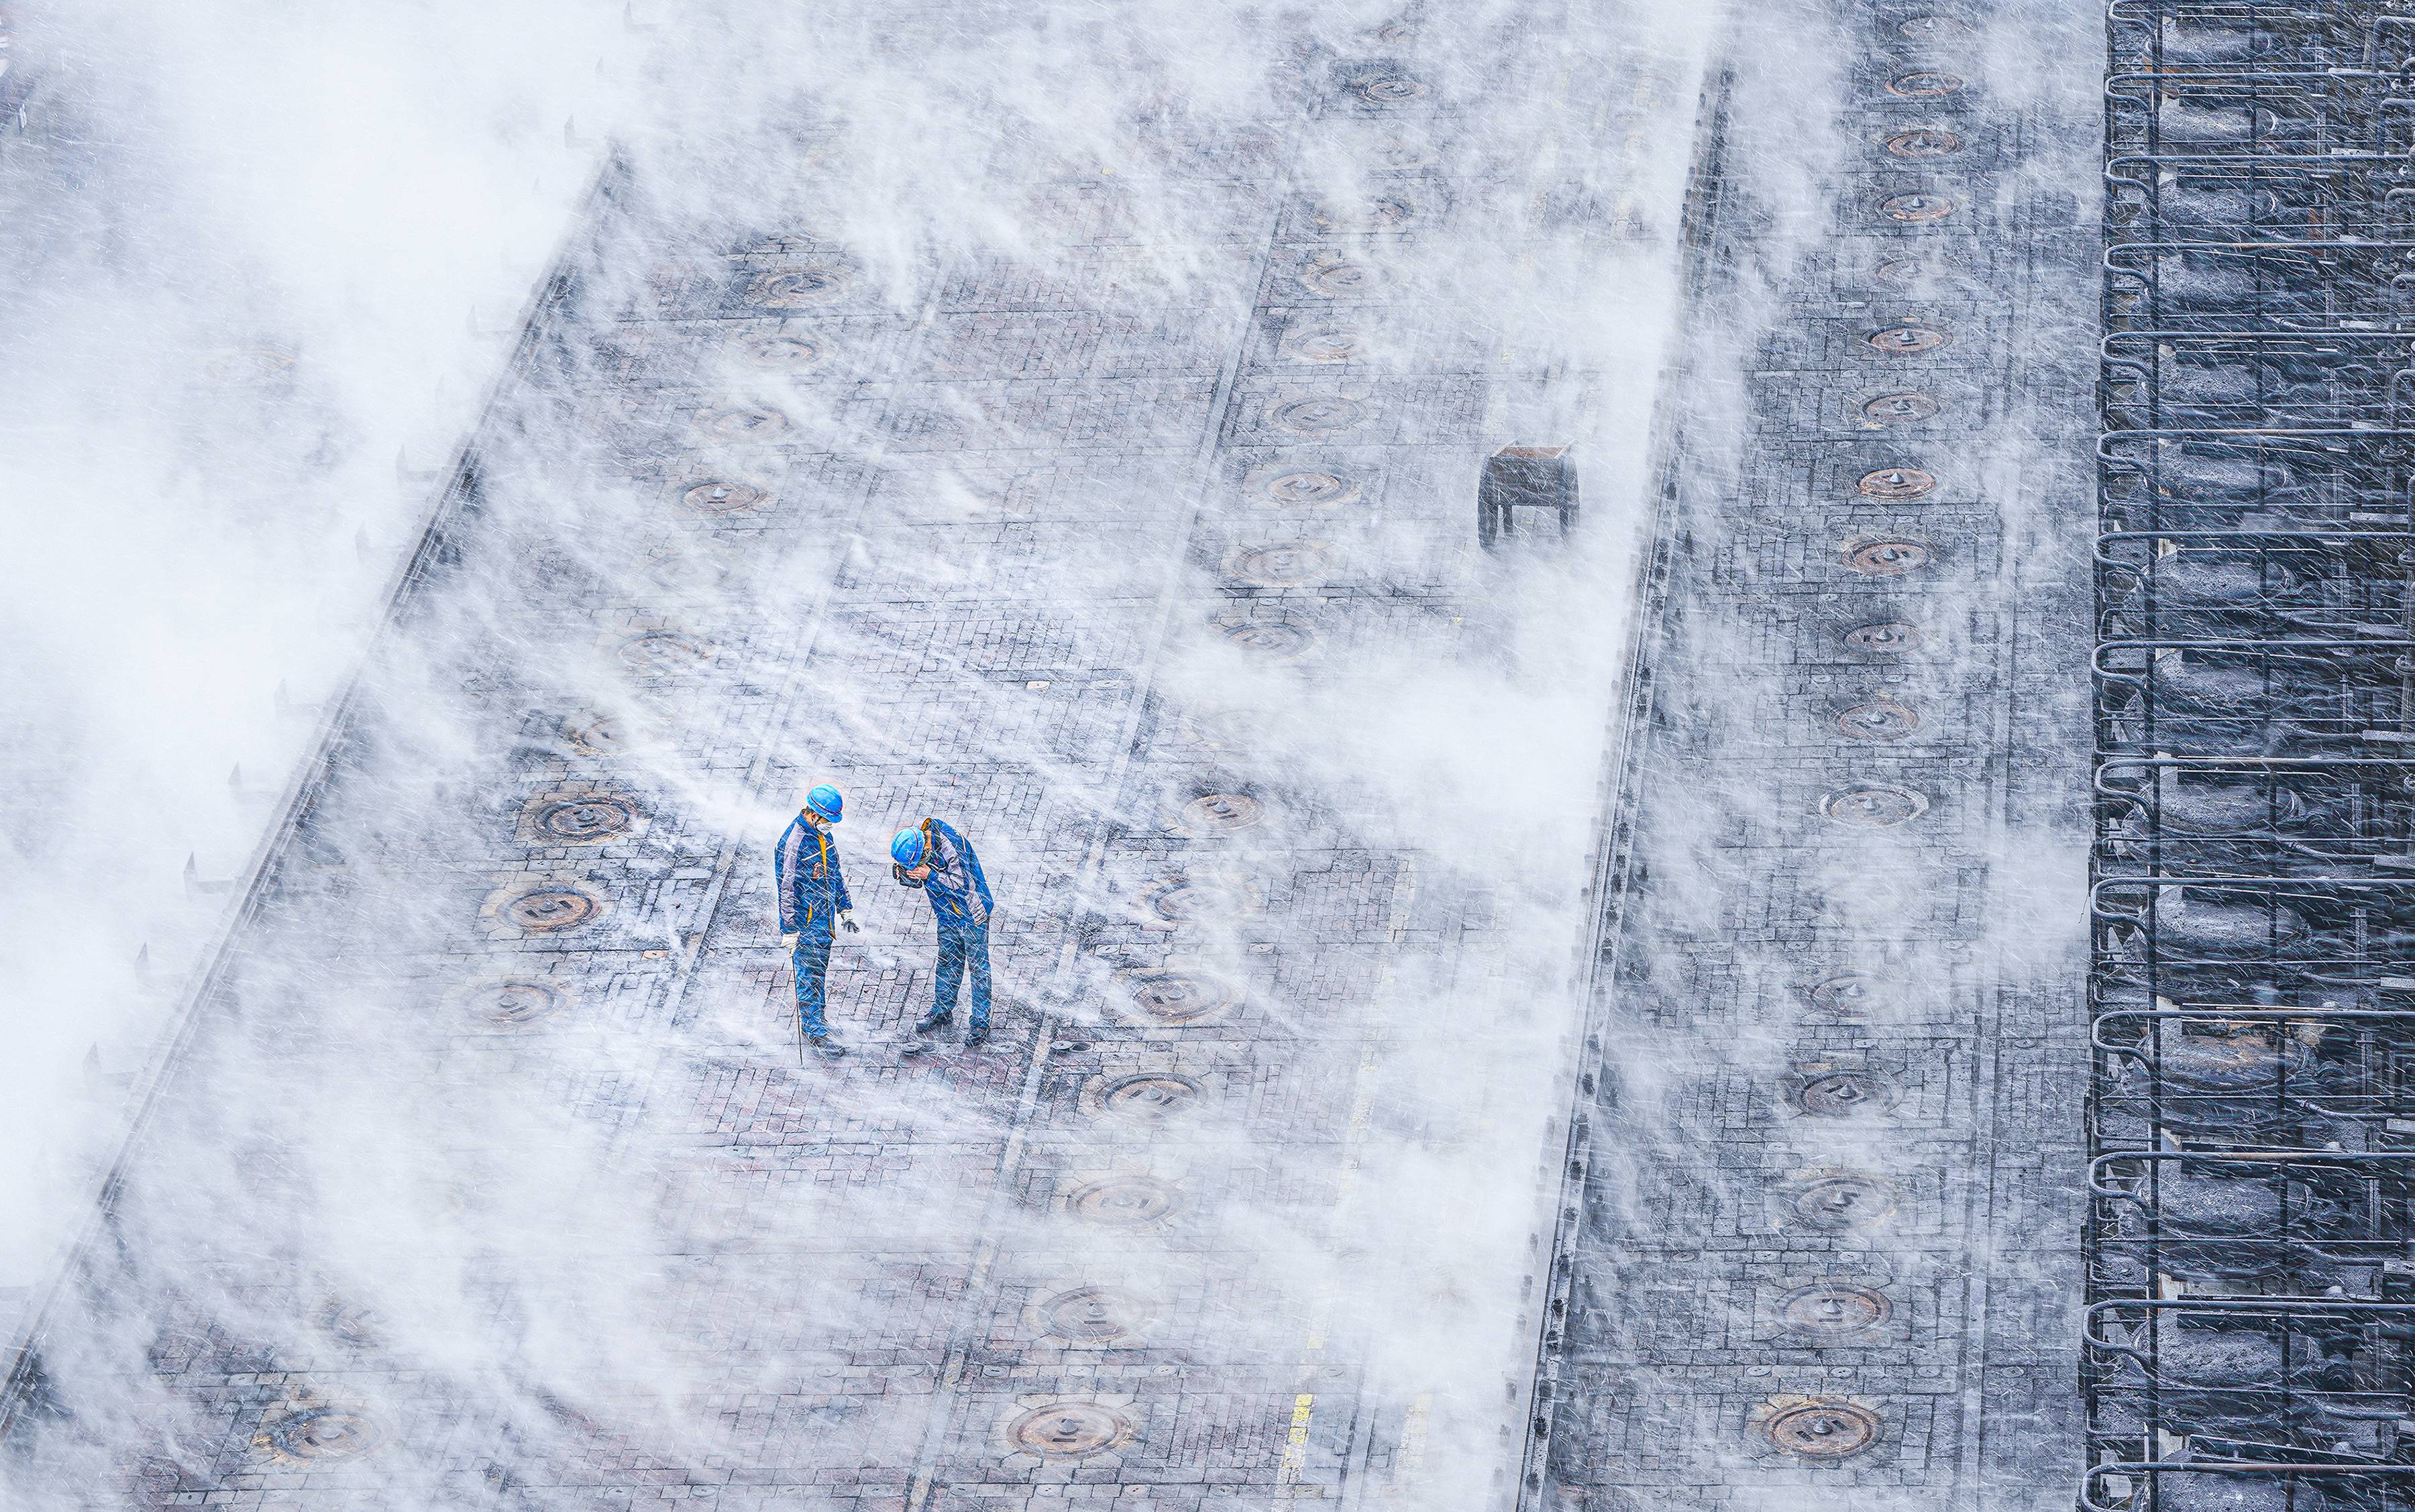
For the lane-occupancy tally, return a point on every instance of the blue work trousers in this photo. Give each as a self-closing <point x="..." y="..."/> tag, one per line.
<point x="959" y="944"/>
<point x="812" y="959"/>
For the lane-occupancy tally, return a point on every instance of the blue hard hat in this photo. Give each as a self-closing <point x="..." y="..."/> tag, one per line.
<point x="906" y="848"/>
<point x="824" y="800"/>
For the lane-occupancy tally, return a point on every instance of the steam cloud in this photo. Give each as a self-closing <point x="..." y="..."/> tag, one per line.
<point x="994" y="571"/>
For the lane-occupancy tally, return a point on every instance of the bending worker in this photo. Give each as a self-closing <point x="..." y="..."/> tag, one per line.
<point x="813" y="902"/>
<point x="941" y="862"/>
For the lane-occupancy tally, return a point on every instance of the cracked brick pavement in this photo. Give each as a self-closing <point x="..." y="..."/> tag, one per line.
<point x="486" y="1173"/>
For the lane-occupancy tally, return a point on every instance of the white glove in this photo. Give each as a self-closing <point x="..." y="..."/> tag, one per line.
<point x="846" y="919"/>
<point x="789" y="940"/>
<point x="979" y="909"/>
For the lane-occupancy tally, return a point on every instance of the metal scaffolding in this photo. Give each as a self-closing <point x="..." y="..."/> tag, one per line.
<point x="2250" y="1341"/>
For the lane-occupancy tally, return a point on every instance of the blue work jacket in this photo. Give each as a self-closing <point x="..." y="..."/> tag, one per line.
<point x="805" y="872"/>
<point x="955" y="881"/>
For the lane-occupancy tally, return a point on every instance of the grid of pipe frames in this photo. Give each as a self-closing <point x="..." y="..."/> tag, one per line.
<point x="2250" y="1342"/>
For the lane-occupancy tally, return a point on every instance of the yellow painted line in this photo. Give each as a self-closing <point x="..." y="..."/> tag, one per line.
<point x="1295" y="1458"/>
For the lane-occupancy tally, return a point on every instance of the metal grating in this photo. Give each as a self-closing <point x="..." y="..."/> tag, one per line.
<point x="2250" y="1341"/>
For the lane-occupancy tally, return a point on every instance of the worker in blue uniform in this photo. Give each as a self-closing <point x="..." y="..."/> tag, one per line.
<point x="813" y="904"/>
<point x="934" y="857"/>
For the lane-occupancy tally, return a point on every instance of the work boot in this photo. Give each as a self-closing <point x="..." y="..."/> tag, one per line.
<point x="825" y="1047"/>
<point x="921" y="1044"/>
<point x="975" y="1038"/>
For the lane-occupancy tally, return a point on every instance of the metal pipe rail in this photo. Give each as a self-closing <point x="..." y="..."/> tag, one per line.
<point x="2191" y="584"/>
<point x="2148" y="173"/>
<point x="2319" y="33"/>
<point x="2314" y="1485"/>
<point x="2305" y="1024"/>
<point x="2342" y="981"/>
<point x="2290" y="355"/>
<point x="2251" y="695"/>
<point x="2271" y="1367"/>
<point x="2345" y="257"/>
<point x="2311" y="898"/>
<point x="2333" y="540"/>
<point x="2190" y="807"/>
<point x="2251" y="1108"/>
<point x="2274" y="116"/>
<point x="2272" y="1080"/>
<point x="2293" y="285"/>
<point x="2151" y="481"/>
<point x="2142" y="82"/>
<point x="2335" y="438"/>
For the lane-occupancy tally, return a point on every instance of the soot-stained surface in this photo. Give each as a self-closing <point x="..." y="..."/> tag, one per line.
<point x="1817" y="1238"/>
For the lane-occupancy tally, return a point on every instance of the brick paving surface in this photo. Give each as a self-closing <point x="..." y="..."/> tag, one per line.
<point x="489" y="1173"/>
<point x="1817" y="1246"/>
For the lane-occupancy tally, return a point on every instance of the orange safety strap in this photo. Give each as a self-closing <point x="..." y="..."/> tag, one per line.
<point x="821" y="838"/>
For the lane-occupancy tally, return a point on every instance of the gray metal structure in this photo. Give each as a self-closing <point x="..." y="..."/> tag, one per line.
<point x="2250" y="1310"/>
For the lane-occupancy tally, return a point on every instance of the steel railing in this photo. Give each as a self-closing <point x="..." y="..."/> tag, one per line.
<point x="2250" y="1235"/>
